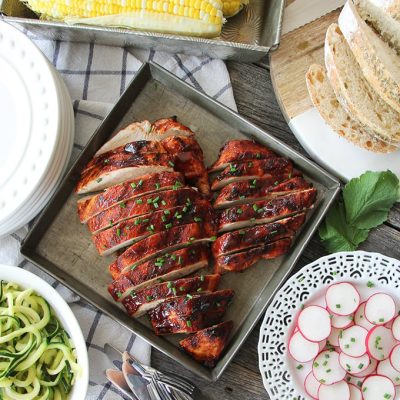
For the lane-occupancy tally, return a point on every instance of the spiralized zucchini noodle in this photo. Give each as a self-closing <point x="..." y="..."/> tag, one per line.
<point x="37" y="357"/>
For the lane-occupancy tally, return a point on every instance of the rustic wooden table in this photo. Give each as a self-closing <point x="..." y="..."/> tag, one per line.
<point x="256" y="101"/>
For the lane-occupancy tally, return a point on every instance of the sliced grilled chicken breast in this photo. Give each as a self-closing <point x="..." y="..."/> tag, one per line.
<point x="170" y="127"/>
<point x="237" y="262"/>
<point x="236" y="151"/>
<point x="259" y="235"/>
<point x="117" y="155"/>
<point x="139" y="302"/>
<point x="258" y="189"/>
<point x="167" y="267"/>
<point x="110" y="174"/>
<point x="235" y="172"/>
<point x="183" y="144"/>
<point x="265" y="211"/>
<point x="207" y="345"/>
<point x="145" y="131"/>
<point x="133" y="230"/>
<point x="89" y="206"/>
<point x="161" y="243"/>
<point x="183" y="315"/>
<point x="162" y="200"/>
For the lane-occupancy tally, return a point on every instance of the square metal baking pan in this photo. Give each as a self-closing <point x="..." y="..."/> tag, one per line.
<point x="60" y="245"/>
<point x="248" y="36"/>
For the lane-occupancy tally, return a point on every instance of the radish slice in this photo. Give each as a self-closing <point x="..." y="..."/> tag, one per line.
<point x="396" y="328"/>
<point x="301" y="349"/>
<point x="352" y="341"/>
<point x="385" y="368"/>
<point x="311" y="386"/>
<point x="340" y="321"/>
<point x="333" y="338"/>
<point x="380" y="342"/>
<point x="395" y="357"/>
<point x="359" y="318"/>
<point x="369" y="371"/>
<point x="355" y="392"/>
<point x="327" y="369"/>
<point x="354" y="364"/>
<point x="380" y="308"/>
<point x="339" y="390"/>
<point x="378" y="387"/>
<point x="342" y="298"/>
<point x="314" y="323"/>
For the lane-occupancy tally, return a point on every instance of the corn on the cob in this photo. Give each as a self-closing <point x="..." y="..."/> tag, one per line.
<point x="232" y="7"/>
<point x="192" y="17"/>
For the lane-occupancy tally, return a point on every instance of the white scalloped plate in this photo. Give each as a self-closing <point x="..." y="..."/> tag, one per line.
<point x="281" y="378"/>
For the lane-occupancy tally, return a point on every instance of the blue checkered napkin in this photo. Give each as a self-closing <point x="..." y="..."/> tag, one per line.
<point x="96" y="76"/>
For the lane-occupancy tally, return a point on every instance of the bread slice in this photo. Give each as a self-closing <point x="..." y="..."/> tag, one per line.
<point x="379" y="63"/>
<point x="384" y="16"/>
<point x="353" y="91"/>
<point x="325" y="101"/>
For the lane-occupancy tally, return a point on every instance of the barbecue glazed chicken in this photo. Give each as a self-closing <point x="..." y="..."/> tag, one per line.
<point x="152" y="208"/>
<point x="206" y="346"/>
<point x="141" y="148"/>
<point x="262" y="202"/>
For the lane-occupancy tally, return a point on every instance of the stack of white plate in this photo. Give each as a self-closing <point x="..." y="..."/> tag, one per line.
<point x="36" y="129"/>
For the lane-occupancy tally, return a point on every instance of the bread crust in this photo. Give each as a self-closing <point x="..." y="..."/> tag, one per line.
<point x="379" y="63"/>
<point x="353" y="91"/>
<point x="324" y="99"/>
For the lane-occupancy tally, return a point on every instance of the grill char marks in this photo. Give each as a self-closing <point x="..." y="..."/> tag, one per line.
<point x="266" y="211"/>
<point x="160" y="243"/>
<point x="140" y="302"/>
<point x="189" y="159"/>
<point x="132" y="230"/>
<point x="88" y="207"/>
<point x="123" y="167"/>
<point x="126" y="151"/>
<point x="256" y="189"/>
<point x="258" y="235"/>
<point x="207" y="345"/>
<point x="161" y="200"/>
<point x="238" y="262"/>
<point x="236" y="151"/>
<point x="183" y="315"/>
<point x="170" y="266"/>
<point x="269" y="168"/>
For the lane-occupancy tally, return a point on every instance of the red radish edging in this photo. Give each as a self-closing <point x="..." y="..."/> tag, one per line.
<point x="342" y="298"/>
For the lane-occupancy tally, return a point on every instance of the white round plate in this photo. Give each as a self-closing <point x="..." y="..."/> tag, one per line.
<point x="57" y="161"/>
<point x="336" y="154"/>
<point x="28" y="280"/>
<point x="281" y="377"/>
<point x="29" y="110"/>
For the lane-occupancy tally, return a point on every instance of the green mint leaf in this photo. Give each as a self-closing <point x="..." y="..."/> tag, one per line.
<point x="369" y="198"/>
<point x="336" y="234"/>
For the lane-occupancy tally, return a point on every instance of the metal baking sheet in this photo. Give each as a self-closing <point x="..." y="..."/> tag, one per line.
<point x="248" y="36"/>
<point x="61" y="246"/>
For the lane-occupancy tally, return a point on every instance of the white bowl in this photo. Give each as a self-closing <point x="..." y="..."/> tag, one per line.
<point x="64" y="314"/>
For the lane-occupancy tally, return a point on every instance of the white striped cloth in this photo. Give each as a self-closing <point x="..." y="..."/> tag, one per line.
<point x="96" y="76"/>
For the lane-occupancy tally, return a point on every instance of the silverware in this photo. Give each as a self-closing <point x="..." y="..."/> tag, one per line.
<point x="133" y="381"/>
<point x="164" y="386"/>
<point x="136" y="383"/>
<point x="118" y="380"/>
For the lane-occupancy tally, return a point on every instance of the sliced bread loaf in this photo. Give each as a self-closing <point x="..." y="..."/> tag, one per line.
<point x="379" y="63"/>
<point x="384" y="15"/>
<point x="353" y="91"/>
<point x="325" y="101"/>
